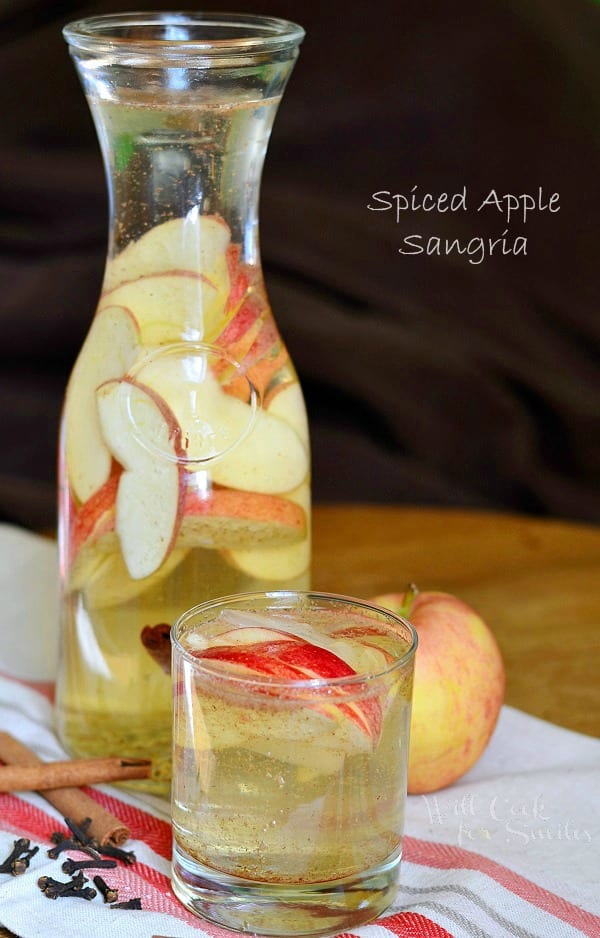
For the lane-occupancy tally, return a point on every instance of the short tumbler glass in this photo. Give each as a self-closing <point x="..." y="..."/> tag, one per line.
<point x="290" y="745"/>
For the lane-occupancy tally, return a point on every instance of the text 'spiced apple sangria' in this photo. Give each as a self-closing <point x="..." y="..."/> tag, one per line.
<point x="290" y="755"/>
<point x="185" y="474"/>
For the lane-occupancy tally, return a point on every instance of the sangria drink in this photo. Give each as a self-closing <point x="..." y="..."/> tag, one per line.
<point x="291" y="722"/>
<point x="184" y="469"/>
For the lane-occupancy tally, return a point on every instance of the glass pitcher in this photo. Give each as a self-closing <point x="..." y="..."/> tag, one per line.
<point x="184" y="453"/>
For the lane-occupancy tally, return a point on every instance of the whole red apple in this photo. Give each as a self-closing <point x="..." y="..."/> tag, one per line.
<point x="458" y="687"/>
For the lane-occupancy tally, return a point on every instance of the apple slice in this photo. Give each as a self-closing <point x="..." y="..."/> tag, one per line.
<point x="243" y="326"/>
<point x="93" y="535"/>
<point x="251" y="627"/>
<point x="240" y="277"/>
<point x="281" y="721"/>
<point x="293" y="661"/>
<point x="151" y="489"/>
<point x="288" y="405"/>
<point x="271" y="459"/>
<point x="96" y="517"/>
<point x="277" y="564"/>
<point x="196" y="243"/>
<point x="242" y="448"/>
<point x="237" y="339"/>
<point x="222" y="518"/>
<point x="170" y="307"/>
<point x="109" y="350"/>
<point x="264" y="360"/>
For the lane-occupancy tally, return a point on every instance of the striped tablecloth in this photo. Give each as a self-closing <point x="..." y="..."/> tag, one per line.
<point x="512" y="850"/>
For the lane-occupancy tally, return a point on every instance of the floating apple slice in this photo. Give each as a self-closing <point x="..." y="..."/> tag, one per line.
<point x="251" y="627"/>
<point x="295" y="734"/>
<point x="170" y="307"/>
<point x="223" y="518"/>
<point x="109" y="350"/>
<point x="284" y="563"/>
<point x="370" y="638"/>
<point x="196" y="243"/>
<point x="96" y="516"/>
<point x="281" y="721"/>
<point x="293" y="660"/>
<point x="151" y="489"/>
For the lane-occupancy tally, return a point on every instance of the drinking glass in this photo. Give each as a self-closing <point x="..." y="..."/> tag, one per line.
<point x="290" y="745"/>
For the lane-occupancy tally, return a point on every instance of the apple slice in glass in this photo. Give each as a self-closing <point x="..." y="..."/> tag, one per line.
<point x="243" y="627"/>
<point x="292" y="660"/>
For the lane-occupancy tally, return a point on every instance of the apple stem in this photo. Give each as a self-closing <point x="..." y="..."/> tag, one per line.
<point x="411" y="593"/>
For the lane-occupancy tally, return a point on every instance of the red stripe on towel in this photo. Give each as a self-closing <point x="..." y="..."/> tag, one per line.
<point x="445" y="857"/>
<point x="407" y="925"/>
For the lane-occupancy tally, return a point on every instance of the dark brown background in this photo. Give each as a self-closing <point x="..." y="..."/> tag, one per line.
<point x="428" y="380"/>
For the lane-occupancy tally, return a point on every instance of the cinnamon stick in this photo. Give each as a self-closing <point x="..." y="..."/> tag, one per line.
<point x="69" y="801"/>
<point x="71" y="774"/>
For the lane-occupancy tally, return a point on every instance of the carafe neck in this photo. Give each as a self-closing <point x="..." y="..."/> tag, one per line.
<point x="183" y="108"/>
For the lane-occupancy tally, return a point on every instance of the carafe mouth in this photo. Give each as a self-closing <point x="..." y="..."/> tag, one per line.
<point x="181" y="36"/>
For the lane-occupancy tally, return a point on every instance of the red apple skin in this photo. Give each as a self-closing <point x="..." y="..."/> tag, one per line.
<point x="459" y="685"/>
<point x="97" y="515"/>
<point x="244" y="320"/>
<point x="297" y="661"/>
<point x="224" y="502"/>
<point x="239" y="277"/>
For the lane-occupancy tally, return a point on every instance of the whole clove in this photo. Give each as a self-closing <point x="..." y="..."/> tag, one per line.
<point x="75" y="888"/>
<point x="88" y="893"/>
<point x="53" y="888"/>
<point x="71" y="866"/>
<point x="68" y="843"/>
<point x="80" y="840"/>
<point x="130" y="904"/>
<point x="21" y="864"/>
<point x="108" y="893"/>
<point x="15" y="863"/>
<point x="80" y="831"/>
<point x="125" y="856"/>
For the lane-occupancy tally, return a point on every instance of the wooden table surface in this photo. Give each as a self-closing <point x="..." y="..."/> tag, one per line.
<point x="535" y="582"/>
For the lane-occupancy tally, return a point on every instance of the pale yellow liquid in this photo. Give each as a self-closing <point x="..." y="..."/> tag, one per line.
<point x="309" y="802"/>
<point x="169" y="153"/>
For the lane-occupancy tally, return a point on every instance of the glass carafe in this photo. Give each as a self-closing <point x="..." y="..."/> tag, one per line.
<point x="184" y="455"/>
